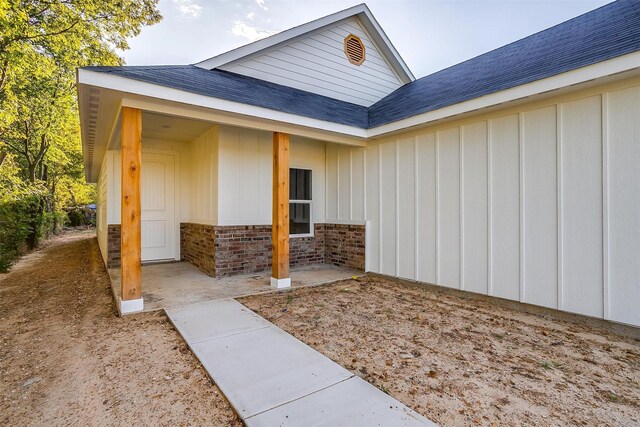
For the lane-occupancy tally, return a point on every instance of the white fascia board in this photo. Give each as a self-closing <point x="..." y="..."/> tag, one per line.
<point x="602" y="69"/>
<point x="570" y="78"/>
<point x="123" y="84"/>
<point x="361" y="11"/>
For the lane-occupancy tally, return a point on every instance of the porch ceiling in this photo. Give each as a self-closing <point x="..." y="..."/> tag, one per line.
<point x="172" y="128"/>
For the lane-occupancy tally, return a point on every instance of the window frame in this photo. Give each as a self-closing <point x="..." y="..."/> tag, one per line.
<point x="309" y="202"/>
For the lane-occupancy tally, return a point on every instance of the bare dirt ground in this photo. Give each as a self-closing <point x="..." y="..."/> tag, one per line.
<point x="461" y="361"/>
<point x="67" y="359"/>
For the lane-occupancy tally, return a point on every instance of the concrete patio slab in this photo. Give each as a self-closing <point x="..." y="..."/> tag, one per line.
<point x="346" y="404"/>
<point x="176" y="284"/>
<point x="272" y="378"/>
<point x="208" y="319"/>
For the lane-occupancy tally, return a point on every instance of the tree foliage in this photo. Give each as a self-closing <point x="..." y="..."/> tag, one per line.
<point x="42" y="43"/>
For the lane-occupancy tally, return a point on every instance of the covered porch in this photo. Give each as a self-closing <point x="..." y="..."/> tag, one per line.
<point x="172" y="285"/>
<point x="130" y="295"/>
<point x="195" y="205"/>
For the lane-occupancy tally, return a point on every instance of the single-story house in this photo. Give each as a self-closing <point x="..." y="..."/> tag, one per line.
<point x="514" y="174"/>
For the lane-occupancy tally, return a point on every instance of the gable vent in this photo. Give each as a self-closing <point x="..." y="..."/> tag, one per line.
<point x="354" y="49"/>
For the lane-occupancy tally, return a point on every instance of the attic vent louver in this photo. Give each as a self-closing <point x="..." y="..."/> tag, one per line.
<point x="354" y="49"/>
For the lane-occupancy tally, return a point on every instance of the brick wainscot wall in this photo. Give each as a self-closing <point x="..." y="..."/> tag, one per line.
<point x="113" y="245"/>
<point x="229" y="250"/>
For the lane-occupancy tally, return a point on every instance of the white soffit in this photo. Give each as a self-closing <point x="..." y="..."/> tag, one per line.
<point x="145" y="89"/>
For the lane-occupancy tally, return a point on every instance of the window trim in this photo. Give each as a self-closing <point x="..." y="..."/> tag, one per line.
<point x="311" y="228"/>
<point x="311" y="232"/>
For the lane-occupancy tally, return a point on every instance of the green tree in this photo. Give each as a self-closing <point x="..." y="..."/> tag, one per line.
<point x="42" y="43"/>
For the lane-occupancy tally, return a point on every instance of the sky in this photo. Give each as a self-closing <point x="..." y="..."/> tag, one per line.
<point x="429" y="34"/>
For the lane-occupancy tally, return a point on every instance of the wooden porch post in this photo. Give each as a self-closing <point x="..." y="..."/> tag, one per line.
<point x="130" y="253"/>
<point x="280" y="218"/>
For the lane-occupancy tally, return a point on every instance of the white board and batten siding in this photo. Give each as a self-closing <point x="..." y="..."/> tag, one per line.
<point x="202" y="176"/>
<point x="540" y="205"/>
<point x="345" y="184"/>
<point x="317" y="63"/>
<point x="245" y="169"/>
<point x="101" y="211"/>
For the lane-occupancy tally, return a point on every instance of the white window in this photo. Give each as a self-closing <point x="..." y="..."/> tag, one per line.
<point x="300" y="220"/>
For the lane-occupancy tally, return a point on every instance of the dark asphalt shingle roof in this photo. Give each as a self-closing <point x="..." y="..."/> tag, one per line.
<point x="610" y="31"/>
<point x="247" y="90"/>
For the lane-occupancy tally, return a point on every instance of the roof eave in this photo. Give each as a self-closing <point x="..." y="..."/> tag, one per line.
<point x="623" y="66"/>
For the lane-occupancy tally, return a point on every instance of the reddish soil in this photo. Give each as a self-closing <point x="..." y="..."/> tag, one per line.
<point x="465" y="361"/>
<point x="67" y="359"/>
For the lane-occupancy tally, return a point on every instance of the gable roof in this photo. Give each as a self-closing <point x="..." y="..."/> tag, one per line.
<point x="246" y="90"/>
<point x="360" y="11"/>
<point x="608" y="32"/>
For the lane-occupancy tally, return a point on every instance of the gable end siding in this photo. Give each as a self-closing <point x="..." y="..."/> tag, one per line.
<point x="317" y="63"/>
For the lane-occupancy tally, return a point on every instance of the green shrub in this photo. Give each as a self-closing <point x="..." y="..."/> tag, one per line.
<point x="76" y="217"/>
<point x="16" y="218"/>
<point x="27" y="214"/>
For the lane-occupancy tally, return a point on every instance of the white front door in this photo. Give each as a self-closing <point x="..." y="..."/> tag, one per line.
<point x="157" y="187"/>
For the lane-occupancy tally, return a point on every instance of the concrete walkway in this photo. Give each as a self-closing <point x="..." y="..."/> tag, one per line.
<point x="273" y="379"/>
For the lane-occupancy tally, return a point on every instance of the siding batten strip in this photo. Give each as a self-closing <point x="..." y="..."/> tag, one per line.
<point x="437" y="215"/>
<point x="397" y="206"/>
<point x="364" y="183"/>
<point x="461" y="207"/>
<point x="522" y="205"/>
<point x="350" y="184"/>
<point x="489" y="213"/>
<point x="380" y="207"/>
<point x="416" y="215"/>
<point x="326" y="181"/>
<point x="605" y="206"/>
<point x="367" y="223"/>
<point x="338" y="183"/>
<point x="560" y="267"/>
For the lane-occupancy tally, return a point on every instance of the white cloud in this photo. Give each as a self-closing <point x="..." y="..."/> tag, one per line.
<point x="188" y="7"/>
<point x="242" y="29"/>
<point x="261" y="4"/>
<point x="251" y="15"/>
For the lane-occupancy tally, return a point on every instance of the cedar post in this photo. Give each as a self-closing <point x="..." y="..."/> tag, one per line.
<point x="130" y="261"/>
<point x="280" y="218"/>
